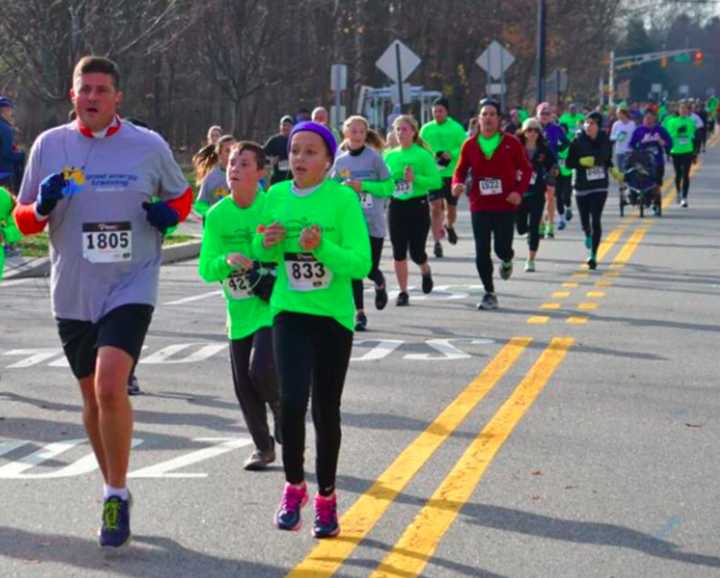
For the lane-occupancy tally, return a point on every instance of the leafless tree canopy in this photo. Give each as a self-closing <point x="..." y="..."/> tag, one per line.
<point x="244" y="63"/>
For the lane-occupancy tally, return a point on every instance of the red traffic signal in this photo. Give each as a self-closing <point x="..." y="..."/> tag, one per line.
<point x="698" y="57"/>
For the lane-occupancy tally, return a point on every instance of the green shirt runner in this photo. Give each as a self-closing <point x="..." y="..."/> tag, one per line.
<point x="427" y="177"/>
<point x="230" y="228"/>
<point x="447" y="137"/>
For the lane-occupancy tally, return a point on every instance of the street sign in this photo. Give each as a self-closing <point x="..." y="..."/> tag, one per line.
<point x="494" y="88"/>
<point x="397" y="95"/>
<point x="398" y="62"/>
<point x="338" y="77"/>
<point x="495" y="60"/>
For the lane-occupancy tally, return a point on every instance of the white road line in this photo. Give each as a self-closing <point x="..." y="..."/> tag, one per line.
<point x="194" y="298"/>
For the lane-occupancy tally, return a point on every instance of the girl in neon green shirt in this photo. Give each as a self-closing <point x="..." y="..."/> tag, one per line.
<point x="314" y="229"/>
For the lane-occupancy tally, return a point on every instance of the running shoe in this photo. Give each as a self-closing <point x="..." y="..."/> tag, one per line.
<point x="403" y="299"/>
<point x="115" y="529"/>
<point x="684" y="203"/>
<point x="381" y="298"/>
<point x="550" y="231"/>
<point x="438" y="250"/>
<point x="568" y="214"/>
<point x="259" y="460"/>
<point x="451" y="234"/>
<point x="427" y="282"/>
<point x="360" y="322"/>
<point x="541" y="230"/>
<point x="133" y="386"/>
<point x="588" y="242"/>
<point x="489" y="302"/>
<point x="326" y="520"/>
<point x="591" y="263"/>
<point x="288" y="515"/>
<point x="530" y="266"/>
<point x="506" y="270"/>
<point x="561" y="224"/>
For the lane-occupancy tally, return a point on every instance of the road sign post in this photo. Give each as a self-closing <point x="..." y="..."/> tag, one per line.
<point x="398" y="62"/>
<point x="495" y="60"/>
<point x="338" y="83"/>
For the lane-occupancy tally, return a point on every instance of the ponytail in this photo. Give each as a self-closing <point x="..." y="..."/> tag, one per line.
<point x="208" y="157"/>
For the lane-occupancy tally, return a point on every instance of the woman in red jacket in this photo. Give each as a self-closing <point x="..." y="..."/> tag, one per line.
<point x="500" y="175"/>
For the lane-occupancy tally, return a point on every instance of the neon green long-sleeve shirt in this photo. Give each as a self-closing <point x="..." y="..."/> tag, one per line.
<point x="230" y="229"/>
<point x="317" y="282"/>
<point x="682" y="130"/>
<point x="427" y="176"/>
<point x="447" y="137"/>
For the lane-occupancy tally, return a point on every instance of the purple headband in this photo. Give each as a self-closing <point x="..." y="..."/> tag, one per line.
<point x="321" y="130"/>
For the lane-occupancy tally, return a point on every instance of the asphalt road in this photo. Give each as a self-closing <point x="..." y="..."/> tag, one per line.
<point x="572" y="433"/>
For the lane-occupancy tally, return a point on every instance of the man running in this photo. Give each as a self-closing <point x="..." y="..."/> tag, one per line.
<point x="11" y="159"/>
<point x="276" y="149"/>
<point x="91" y="181"/>
<point x="651" y="136"/>
<point x="501" y="174"/>
<point x="682" y="131"/>
<point x="557" y="142"/>
<point x="445" y="136"/>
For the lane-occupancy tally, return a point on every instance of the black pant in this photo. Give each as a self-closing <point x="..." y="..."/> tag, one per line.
<point x="409" y="226"/>
<point x="375" y="275"/>
<point x="590" y="208"/>
<point x="485" y="225"/>
<point x="563" y="193"/>
<point x="255" y="381"/>
<point x="312" y="355"/>
<point x="682" y="164"/>
<point x="528" y="217"/>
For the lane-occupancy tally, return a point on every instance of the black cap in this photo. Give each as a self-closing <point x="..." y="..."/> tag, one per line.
<point x="594" y="116"/>
<point x="442" y="101"/>
<point x="287" y="118"/>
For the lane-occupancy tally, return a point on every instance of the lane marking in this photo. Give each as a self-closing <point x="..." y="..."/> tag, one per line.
<point x="629" y="248"/>
<point x="610" y="241"/>
<point x="538" y="319"/>
<point x="418" y="543"/>
<point x="595" y="294"/>
<point x="193" y="298"/>
<point x="603" y="284"/>
<point x="588" y="306"/>
<point x="571" y="285"/>
<point x="576" y="320"/>
<point x="327" y="556"/>
<point x="560" y="294"/>
<point x="550" y="306"/>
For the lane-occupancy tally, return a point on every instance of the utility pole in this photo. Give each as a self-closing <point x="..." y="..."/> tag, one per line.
<point x="541" y="52"/>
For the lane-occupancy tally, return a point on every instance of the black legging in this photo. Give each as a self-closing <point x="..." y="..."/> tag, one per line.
<point x="563" y="193"/>
<point x="590" y="208"/>
<point x="682" y="164"/>
<point x="255" y="381"/>
<point x="485" y="225"/>
<point x="375" y="275"/>
<point x="528" y="217"/>
<point x="312" y="354"/>
<point x="409" y="226"/>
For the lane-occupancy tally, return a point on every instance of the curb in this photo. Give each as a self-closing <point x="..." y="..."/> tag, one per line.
<point x="40" y="267"/>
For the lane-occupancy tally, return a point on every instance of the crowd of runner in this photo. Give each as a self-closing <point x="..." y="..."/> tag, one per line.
<point x="291" y="229"/>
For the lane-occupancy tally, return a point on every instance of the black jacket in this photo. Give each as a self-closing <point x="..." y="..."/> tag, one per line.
<point x="588" y="180"/>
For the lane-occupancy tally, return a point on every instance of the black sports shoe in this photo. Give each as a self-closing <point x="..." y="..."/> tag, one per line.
<point x="568" y="214"/>
<point x="506" y="269"/>
<point x="592" y="263"/>
<point x="438" y="250"/>
<point x="427" y="282"/>
<point x="381" y="298"/>
<point x="402" y="300"/>
<point x="489" y="302"/>
<point x="360" y="322"/>
<point x="133" y="387"/>
<point x="259" y="460"/>
<point x="452" y="235"/>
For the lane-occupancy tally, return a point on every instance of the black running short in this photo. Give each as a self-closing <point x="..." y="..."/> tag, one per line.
<point x="124" y="327"/>
<point x="444" y="192"/>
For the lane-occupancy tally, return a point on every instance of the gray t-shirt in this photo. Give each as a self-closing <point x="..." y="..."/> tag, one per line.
<point x="367" y="166"/>
<point x="214" y="186"/>
<point x="103" y="251"/>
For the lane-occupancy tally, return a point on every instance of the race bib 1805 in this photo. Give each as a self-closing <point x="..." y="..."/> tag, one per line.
<point x="107" y="242"/>
<point x="305" y="273"/>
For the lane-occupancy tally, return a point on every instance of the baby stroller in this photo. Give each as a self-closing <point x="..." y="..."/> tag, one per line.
<point x="642" y="188"/>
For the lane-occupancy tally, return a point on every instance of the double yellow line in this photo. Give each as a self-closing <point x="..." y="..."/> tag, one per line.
<point x="416" y="546"/>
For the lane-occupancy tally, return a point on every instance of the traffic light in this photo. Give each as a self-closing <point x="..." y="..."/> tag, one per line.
<point x="698" y="57"/>
<point x="663" y="61"/>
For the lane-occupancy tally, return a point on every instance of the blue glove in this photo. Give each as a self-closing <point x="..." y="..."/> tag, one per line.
<point x="51" y="191"/>
<point x="161" y="215"/>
